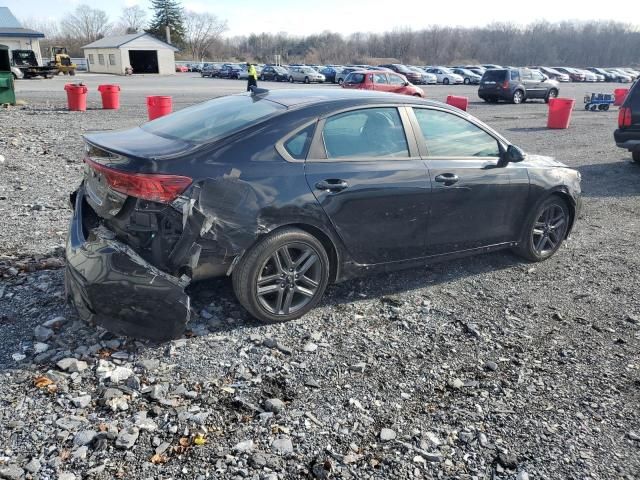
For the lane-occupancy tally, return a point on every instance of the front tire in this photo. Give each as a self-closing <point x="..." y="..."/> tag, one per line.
<point x="553" y="93"/>
<point x="545" y="231"/>
<point x="467" y="81"/>
<point x="306" y="80"/>
<point x="290" y="79"/>
<point x="283" y="276"/>
<point x="445" y="81"/>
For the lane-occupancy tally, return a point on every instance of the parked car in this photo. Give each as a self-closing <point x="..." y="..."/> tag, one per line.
<point x="344" y="73"/>
<point x="468" y="77"/>
<point x="553" y="74"/>
<point x="491" y="66"/>
<point x="445" y="76"/>
<point x="230" y="70"/>
<point x="330" y="74"/>
<point x="516" y="85"/>
<point x="381" y="81"/>
<point x="182" y="68"/>
<point x="608" y="76"/>
<point x="588" y="76"/>
<point x="275" y="73"/>
<point x="574" y="75"/>
<point x="298" y="213"/>
<point x="413" y="77"/>
<point x="627" y="135"/>
<point x="425" y="78"/>
<point x="634" y="74"/>
<point x="621" y="77"/>
<point x="305" y="75"/>
<point x="210" y="70"/>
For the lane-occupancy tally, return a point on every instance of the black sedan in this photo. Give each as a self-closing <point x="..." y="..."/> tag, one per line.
<point x="289" y="190"/>
<point x="275" y="73"/>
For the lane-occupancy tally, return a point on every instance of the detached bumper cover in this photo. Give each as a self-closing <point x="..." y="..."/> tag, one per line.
<point x="112" y="286"/>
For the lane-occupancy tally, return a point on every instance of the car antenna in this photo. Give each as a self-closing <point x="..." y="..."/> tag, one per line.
<point x="258" y="91"/>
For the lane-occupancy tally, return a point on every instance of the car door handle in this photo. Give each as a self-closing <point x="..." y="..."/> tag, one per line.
<point x="333" y="185"/>
<point x="447" y="178"/>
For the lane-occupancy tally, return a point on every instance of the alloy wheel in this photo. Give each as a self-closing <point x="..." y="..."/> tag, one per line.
<point x="289" y="279"/>
<point x="549" y="230"/>
<point x="517" y="97"/>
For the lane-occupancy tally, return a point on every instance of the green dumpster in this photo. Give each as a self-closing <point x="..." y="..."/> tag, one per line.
<point x="7" y="93"/>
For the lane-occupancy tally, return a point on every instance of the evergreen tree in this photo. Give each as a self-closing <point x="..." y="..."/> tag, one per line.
<point x="167" y="12"/>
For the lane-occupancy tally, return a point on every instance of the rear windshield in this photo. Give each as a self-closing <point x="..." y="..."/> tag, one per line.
<point x="355" y="78"/>
<point x="213" y="120"/>
<point x="493" y="75"/>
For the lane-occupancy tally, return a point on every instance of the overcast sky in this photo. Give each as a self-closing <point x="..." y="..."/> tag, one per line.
<point x="300" y="17"/>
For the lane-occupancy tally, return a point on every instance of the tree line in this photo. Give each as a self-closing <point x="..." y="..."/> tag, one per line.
<point x="200" y="37"/>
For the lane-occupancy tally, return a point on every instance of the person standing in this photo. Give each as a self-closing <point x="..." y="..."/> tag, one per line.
<point x="252" y="76"/>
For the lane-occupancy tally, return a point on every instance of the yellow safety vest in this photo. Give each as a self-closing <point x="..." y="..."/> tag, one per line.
<point x="252" y="72"/>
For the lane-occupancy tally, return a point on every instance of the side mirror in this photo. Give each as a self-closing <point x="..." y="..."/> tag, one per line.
<point x="513" y="154"/>
<point x="407" y="83"/>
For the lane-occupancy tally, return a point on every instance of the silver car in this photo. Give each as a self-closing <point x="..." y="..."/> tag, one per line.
<point x="305" y="75"/>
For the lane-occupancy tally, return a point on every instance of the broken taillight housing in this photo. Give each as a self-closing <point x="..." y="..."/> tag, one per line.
<point x="624" y="117"/>
<point x="154" y="187"/>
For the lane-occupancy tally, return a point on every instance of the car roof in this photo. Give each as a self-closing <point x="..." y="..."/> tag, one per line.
<point x="347" y="97"/>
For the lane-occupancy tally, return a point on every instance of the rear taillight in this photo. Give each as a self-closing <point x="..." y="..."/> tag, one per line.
<point x="505" y="85"/>
<point x="147" y="186"/>
<point x="624" y="117"/>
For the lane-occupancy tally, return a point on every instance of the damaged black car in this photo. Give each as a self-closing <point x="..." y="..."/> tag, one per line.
<point x="286" y="191"/>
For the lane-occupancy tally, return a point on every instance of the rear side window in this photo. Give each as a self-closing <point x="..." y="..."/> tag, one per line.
<point x="298" y="145"/>
<point x="367" y="133"/>
<point x="515" y="75"/>
<point x="493" y="76"/>
<point x="214" y="119"/>
<point x="355" y="78"/>
<point x="448" y="135"/>
<point x="380" y="78"/>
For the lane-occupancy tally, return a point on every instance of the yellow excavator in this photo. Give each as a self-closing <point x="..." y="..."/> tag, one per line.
<point x="61" y="60"/>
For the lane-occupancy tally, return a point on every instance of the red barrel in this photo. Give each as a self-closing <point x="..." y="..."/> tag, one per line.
<point x="76" y="96"/>
<point x="110" y="96"/>
<point x="560" y="112"/>
<point x="620" y="95"/>
<point x="459" y="102"/>
<point x="158" y="106"/>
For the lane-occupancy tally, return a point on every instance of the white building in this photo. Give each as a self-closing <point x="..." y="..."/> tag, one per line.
<point x="17" y="38"/>
<point x="143" y="52"/>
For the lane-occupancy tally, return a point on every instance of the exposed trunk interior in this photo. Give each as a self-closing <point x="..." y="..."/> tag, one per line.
<point x="144" y="61"/>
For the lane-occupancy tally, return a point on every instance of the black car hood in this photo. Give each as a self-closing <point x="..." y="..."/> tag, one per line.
<point x="136" y="142"/>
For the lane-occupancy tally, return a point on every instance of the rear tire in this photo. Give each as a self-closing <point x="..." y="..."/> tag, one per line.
<point x="290" y="79"/>
<point x="467" y="81"/>
<point x="636" y="156"/>
<point x="518" y="97"/>
<point x="306" y="80"/>
<point x="283" y="276"/>
<point x="72" y="72"/>
<point x="545" y="230"/>
<point x="445" y="81"/>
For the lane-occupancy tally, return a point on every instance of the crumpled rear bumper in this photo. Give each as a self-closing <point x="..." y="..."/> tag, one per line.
<point x="111" y="285"/>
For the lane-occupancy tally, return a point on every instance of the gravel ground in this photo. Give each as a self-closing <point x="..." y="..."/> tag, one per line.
<point x="480" y="368"/>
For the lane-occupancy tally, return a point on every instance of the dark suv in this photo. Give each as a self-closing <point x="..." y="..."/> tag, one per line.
<point x="628" y="133"/>
<point x="413" y="77"/>
<point x="516" y="85"/>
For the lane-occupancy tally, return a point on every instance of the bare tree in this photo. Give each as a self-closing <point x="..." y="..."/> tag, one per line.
<point x="202" y="31"/>
<point x="86" y="23"/>
<point x="132" y="19"/>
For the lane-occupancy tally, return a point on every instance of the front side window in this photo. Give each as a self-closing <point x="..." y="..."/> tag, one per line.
<point x="448" y="135"/>
<point x="396" y="80"/>
<point x="367" y="133"/>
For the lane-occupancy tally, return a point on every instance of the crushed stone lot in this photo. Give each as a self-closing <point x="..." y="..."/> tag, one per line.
<point x="486" y="367"/>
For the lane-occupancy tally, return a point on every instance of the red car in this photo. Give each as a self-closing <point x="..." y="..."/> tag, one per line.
<point x="381" y="81"/>
<point x="181" y="68"/>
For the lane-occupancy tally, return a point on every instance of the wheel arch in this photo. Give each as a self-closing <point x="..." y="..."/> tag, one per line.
<point x="562" y="193"/>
